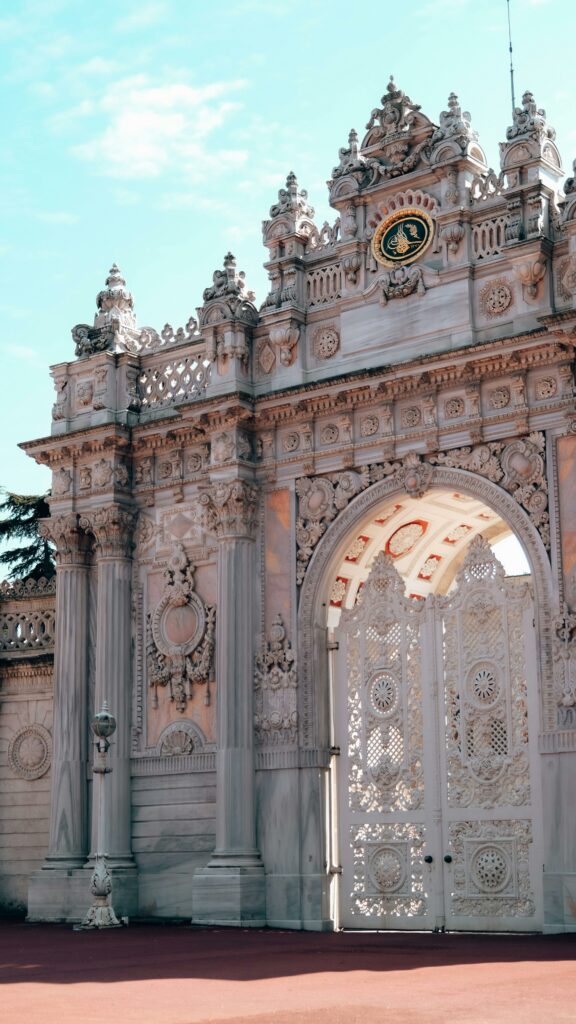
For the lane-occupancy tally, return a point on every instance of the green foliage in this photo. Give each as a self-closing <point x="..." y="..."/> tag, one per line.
<point x="20" y="515"/>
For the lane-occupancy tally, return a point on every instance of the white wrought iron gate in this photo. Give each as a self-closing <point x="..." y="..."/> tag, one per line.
<point x="438" y="804"/>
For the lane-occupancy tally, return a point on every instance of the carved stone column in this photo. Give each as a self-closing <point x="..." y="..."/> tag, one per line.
<point x="230" y="890"/>
<point x="50" y="895"/>
<point x="112" y="530"/>
<point x="68" y="831"/>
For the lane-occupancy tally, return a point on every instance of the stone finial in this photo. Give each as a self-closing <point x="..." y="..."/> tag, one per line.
<point x="530" y="120"/>
<point x="114" y="323"/>
<point x="228" y="283"/>
<point x="292" y="200"/>
<point x="115" y="302"/>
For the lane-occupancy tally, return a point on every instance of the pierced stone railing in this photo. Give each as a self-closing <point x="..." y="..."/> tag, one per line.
<point x="324" y="285"/>
<point x="182" y="377"/>
<point x="488" y="237"/>
<point x="15" y="589"/>
<point x="27" y="630"/>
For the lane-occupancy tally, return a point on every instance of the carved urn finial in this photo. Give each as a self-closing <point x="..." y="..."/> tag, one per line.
<point x="115" y="302"/>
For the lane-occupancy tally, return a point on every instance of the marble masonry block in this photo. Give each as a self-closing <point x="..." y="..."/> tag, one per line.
<point x="229" y="895"/>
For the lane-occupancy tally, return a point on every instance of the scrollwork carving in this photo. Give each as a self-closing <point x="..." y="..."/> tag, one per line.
<point x="275" y="684"/>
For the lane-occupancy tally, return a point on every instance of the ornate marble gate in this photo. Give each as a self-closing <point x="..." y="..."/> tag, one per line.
<point x="435" y="715"/>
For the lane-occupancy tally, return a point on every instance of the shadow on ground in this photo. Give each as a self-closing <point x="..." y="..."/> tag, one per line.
<point x="55" y="954"/>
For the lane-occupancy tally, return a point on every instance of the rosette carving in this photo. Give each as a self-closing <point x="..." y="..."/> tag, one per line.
<point x="180" y="635"/>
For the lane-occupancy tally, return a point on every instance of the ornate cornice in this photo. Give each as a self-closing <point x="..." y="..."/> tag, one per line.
<point x="112" y="529"/>
<point x="229" y="509"/>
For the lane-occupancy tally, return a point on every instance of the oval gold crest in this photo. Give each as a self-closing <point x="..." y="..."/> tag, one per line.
<point x="403" y="237"/>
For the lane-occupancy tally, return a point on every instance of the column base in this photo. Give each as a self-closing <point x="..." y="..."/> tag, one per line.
<point x="60" y="894"/>
<point x="230" y="891"/>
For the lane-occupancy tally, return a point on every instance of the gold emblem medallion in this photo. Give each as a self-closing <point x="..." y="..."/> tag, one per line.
<point x="402" y="238"/>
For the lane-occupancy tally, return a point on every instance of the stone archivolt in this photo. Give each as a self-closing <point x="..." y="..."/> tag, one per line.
<point x="180" y="634"/>
<point x="518" y="466"/>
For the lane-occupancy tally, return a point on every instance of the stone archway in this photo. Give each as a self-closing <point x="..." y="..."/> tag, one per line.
<point x="315" y="711"/>
<point x="314" y="682"/>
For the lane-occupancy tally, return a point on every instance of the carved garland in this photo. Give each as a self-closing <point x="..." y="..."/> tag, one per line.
<point x="180" y="635"/>
<point x="517" y="466"/>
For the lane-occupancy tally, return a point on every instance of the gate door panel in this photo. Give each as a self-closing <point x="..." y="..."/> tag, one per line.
<point x="379" y="722"/>
<point x="487" y="649"/>
<point x="436" y="774"/>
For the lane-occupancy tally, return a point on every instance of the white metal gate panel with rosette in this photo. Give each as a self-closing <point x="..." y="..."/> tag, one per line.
<point x="435" y="716"/>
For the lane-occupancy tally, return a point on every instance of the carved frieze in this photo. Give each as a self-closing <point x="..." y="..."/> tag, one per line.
<point x="180" y="635"/>
<point x="275" y="686"/>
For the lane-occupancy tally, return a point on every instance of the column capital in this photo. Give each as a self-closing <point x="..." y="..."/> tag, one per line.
<point x="112" y="528"/>
<point x="229" y="509"/>
<point x="66" y="535"/>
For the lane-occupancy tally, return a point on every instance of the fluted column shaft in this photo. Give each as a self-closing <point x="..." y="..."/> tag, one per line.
<point x="235" y="823"/>
<point x="112" y="528"/>
<point x="68" y="825"/>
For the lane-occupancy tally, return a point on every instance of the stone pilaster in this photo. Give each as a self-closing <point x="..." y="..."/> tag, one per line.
<point x="112" y="529"/>
<point x="59" y="890"/>
<point x="230" y="890"/>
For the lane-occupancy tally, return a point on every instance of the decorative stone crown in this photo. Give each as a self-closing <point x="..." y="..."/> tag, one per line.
<point x="115" y="302"/>
<point x="114" y="323"/>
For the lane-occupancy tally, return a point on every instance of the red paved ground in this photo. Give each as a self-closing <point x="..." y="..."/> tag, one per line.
<point x="180" y="975"/>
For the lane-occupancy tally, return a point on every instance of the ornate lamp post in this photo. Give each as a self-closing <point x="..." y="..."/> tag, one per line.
<point x="101" y="913"/>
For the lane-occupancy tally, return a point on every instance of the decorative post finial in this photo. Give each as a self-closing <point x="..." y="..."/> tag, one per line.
<point x="101" y="914"/>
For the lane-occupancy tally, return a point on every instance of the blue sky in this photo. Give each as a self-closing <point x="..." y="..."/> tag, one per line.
<point x="156" y="134"/>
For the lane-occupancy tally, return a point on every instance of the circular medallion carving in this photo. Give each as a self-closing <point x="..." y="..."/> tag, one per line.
<point x="326" y="342"/>
<point x="29" y="752"/>
<point x="490" y="868"/>
<point x="180" y="623"/>
<point x="317" y="501"/>
<point x="496" y="298"/>
<point x="404" y="538"/>
<point x="411" y="417"/>
<point x="369" y="426"/>
<point x="402" y="238"/>
<point x="387" y="869"/>
<point x="484" y="684"/>
<point x="329" y="434"/>
<point x="384" y="694"/>
<point x="291" y="441"/>
<point x="454" y="408"/>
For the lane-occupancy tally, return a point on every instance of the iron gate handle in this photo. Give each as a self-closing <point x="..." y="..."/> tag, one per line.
<point x="447" y="858"/>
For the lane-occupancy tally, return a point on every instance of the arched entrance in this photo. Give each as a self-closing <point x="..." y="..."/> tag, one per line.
<point x="435" y="713"/>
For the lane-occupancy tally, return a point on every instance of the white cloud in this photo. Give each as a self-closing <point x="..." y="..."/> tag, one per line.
<point x="142" y="17"/>
<point x="56" y="217"/>
<point x="152" y="129"/>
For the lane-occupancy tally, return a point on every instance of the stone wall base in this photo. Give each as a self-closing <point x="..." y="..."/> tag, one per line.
<point x="60" y="894"/>
<point x="230" y="891"/>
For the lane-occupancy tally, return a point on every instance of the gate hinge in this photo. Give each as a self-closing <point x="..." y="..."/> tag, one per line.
<point x="335" y="869"/>
<point x="332" y="645"/>
<point x="334" y="751"/>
